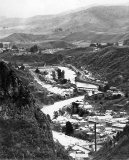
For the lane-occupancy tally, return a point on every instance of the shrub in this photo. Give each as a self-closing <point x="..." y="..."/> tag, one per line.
<point x="69" y="128"/>
<point x="81" y="135"/>
<point x="37" y="70"/>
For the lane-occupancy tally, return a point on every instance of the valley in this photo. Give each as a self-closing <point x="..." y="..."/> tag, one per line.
<point x="64" y="85"/>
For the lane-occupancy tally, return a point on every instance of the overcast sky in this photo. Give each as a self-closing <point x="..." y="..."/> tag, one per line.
<point x="28" y="8"/>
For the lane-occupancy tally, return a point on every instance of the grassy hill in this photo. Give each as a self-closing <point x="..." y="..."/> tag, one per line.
<point x="47" y="44"/>
<point x="108" y="19"/>
<point x="95" y="37"/>
<point x="29" y="40"/>
<point x="23" y="38"/>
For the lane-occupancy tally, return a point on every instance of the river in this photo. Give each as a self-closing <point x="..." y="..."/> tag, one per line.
<point x="69" y="74"/>
<point x="49" y="109"/>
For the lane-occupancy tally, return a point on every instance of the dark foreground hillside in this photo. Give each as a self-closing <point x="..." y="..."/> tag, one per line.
<point x="25" y="131"/>
<point x="114" y="150"/>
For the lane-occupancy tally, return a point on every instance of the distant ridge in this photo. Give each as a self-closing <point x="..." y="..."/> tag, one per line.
<point x="93" y="20"/>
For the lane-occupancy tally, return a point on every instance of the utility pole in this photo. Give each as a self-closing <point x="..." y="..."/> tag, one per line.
<point x="95" y="137"/>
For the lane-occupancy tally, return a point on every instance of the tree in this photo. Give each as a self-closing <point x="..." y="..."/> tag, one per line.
<point x="1" y="45"/>
<point x="55" y="115"/>
<point x="117" y="136"/>
<point x="14" y="47"/>
<point x="126" y="95"/>
<point x="106" y="87"/>
<point x="63" y="81"/>
<point x="110" y="142"/>
<point x="54" y="75"/>
<point x="93" y="45"/>
<point x="69" y="128"/>
<point x="60" y="74"/>
<point x="34" y="49"/>
<point x="22" y="67"/>
<point x="100" y="88"/>
<point x="45" y="73"/>
<point x="37" y="70"/>
<point x="126" y="130"/>
<point x="109" y="44"/>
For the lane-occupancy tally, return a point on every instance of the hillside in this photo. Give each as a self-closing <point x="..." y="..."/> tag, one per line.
<point x="118" y="149"/>
<point x="25" y="131"/>
<point x="23" y="38"/>
<point x="96" y="37"/>
<point x="110" y="63"/>
<point x="29" y="40"/>
<point x="107" y="19"/>
<point x="41" y="58"/>
<point x="47" y="44"/>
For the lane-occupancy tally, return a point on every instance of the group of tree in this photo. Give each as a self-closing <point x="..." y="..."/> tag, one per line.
<point x="68" y="129"/>
<point x="34" y="49"/>
<point x="1" y="45"/>
<point x="55" y="116"/>
<point x="75" y="109"/>
<point x="104" y="88"/>
<point x="37" y="70"/>
<point x="14" y="47"/>
<point x="58" y="29"/>
<point x="60" y="73"/>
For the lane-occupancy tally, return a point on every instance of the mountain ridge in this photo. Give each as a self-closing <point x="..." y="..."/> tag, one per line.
<point x="106" y="19"/>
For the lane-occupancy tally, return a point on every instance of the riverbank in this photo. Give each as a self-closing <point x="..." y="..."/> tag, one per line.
<point x="49" y="109"/>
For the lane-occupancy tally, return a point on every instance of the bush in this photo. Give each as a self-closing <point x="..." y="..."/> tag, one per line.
<point x="37" y="70"/>
<point x="34" y="49"/>
<point x="81" y="135"/>
<point x="69" y="128"/>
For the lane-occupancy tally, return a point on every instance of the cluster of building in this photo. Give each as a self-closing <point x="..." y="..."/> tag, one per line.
<point x="107" y="124"/>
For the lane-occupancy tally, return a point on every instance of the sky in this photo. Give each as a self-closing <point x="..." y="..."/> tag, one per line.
<point x="29" y="8"/>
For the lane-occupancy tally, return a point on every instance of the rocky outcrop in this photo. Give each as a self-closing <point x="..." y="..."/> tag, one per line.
<point x="25" y="131"/>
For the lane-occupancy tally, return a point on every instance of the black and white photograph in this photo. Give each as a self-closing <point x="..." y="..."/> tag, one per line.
<point x="64" y="79"/>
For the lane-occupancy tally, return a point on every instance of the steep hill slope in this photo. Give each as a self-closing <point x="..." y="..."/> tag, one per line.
<point x="25" y="131"/>
<point x="109" y="64"/>
<point x="119" y="152"/>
